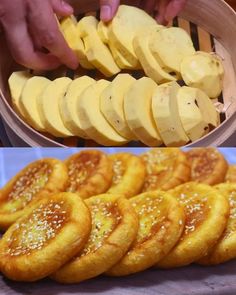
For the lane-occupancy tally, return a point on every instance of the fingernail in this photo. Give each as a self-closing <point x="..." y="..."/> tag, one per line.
<point x="67" y="7"/>
<point x="106" y="13"/>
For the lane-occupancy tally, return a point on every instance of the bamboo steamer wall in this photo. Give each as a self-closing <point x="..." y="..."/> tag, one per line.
<point x="213" y="17"/>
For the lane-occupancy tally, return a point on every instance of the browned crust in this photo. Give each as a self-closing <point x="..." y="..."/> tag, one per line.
<point x="172" y="174"/>
<point x="111" y="251"/>
<point x="99" y="180"/>
<point x="208" y="165"/>
<point x="133" y="172"/>
<point x="57" y="182"/>
<point x="59" y="249"/>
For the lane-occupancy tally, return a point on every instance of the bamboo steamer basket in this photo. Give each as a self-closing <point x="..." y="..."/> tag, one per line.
<point x="212" y="26"/>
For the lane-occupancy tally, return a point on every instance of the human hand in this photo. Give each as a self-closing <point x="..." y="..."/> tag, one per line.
<point x="32" y="33"/>
<point x="166" y="9"/>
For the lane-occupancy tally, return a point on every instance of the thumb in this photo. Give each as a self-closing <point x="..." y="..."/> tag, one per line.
<point x="62" y="8"/>
<point x="108" y="9"/>
<point x="174" y="8"/>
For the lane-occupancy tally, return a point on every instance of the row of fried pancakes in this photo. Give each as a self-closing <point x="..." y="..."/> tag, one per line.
<point x="117" y="214"/>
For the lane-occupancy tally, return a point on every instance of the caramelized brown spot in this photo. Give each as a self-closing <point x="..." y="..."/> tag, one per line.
<point x="35" y="233"/>
<point x="81" y="169"/>
<point x="29" y="184"/>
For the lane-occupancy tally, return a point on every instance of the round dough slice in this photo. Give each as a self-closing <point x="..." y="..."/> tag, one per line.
<point x="128" y="174"/>
<point x="225" y="249"/>
<point x="92" y="120"/>
<point x="114" y="228"/>
<point x="138" y="111"/>
<point x="161" y="223"/>
<point x="208" y="165"/>
<point x="50" y="233"/>
<point x="112" y="104"/>
<point x="49" y="107"/>
<point x="231" y="174"/>
<point x="90" y="173"/>
<point x="166" y="168"/>
<point x="32" y="90"/>
<point x="38" y="179"/>
<point x="207" y="213"/>
<point x="68" y="105"/>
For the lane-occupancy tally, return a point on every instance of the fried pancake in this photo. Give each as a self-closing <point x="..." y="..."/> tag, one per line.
<point x="90" y="173"/>
<point x="128" y="174"/>
<point x="166" y="168"/>
<point x="50" y="233"/>
<point x="207" y="165"/>
<point x="231" y="174"/>
<point x="161" y="220"/>
<point x="226" y="247"/>
<point x="207" y="212"/>
<point x="36" y="180"/>
<point x="114" y="228"/>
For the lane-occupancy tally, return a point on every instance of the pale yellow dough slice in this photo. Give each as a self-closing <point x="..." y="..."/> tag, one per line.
<point x="124" y="26"/>
<point x="68" y="105"/>
<point x="204" y="71"/>
<point x="32" y="90"/>
<point x="96" y="51"/>
<point x="166" y="115"/>
<point x="49" y="107"/>
<point x="71" y="35"/>
<point x="170" y="46"/>
<point x="150" y="65"/>
<point x="16" y="84"/>
<point x="138" y="111"/>
<point x="112" y="104"/>
<point x="92" y="121"/>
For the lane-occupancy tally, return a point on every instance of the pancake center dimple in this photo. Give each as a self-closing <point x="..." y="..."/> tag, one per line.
<point x="80" y="169"/>
<point x="105" y="218"/>
<point x="36" y="232"/>
<point x="27" y="186"/>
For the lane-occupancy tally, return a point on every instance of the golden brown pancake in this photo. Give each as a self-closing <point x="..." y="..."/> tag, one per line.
<point x="38" y="179"/>
<point x="90" y="173"/>
<point x="226" y="247"/>
<point x="231" y="174"/>
<point x="49" y="234"/>
<point x="208" y="165"/>
<point x="207" y="213"/>
<point x="166" y="168"/>
<point x="128" y="174"/>
<point x="161" y="220"/>
<point x="114" y="228"/>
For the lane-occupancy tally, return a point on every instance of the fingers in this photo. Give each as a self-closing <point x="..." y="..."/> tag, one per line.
<point x="174" y="8"/>
<point x="44" y="26"/>
<point x="161" y="7"/>
<point x="22" y="49"/>
<point x="150" y="5"/>
<point x="62" y="8"/>
<point x="108" y="9"/>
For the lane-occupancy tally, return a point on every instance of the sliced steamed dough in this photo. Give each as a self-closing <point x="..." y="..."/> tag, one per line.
<point x="112" y="104"/>
<point x="169" y="47"/>
<point x="92" y="121"/>
<point x="68" y="105"/>
<point x="102" y="29"/>
<point x="29" y="101"/>
<point x="16" y="84"/>
<point x="150" y="65"/>
<point x="71" y="35"/>
<point x="166" y="115"/>
<point x="191" y="116"/>
<point x="204" y="71"/>
<point x="138" y="111"/>
<point x="96" y="51"/>
<point x="49" y="107"/>
<point x="124" y="26"/>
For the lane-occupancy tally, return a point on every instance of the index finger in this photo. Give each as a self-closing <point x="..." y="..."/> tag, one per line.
<point x="45" y="27"/>
<point x="174" y="8"/>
